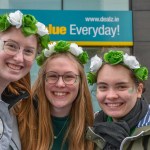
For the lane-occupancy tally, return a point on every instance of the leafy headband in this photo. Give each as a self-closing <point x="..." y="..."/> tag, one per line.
<point x="27" y="23"/>
<point x="114" y="58"/>
<point x="62" y="47"/>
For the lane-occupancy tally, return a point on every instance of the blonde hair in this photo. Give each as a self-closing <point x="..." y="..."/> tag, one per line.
<point x="81" y="113"/>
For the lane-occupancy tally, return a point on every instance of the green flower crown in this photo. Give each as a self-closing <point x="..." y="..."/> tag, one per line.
<point x="62" y="47"/>
<point x="114" y="58"/>
<point x="27" y="23"/>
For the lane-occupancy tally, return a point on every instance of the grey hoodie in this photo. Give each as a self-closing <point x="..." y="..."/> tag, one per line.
<point x="9" y="136"/>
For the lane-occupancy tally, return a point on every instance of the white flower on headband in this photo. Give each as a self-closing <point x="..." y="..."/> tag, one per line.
<point x="50" y="50"/>
<point x="15" y="18"/>
<point x="130" y="61"/>
<point x="75" y="50"/>
<point x="96" y="63"/>
<point x="42" y="30"/>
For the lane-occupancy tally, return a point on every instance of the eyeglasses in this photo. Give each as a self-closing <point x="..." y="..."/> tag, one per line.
<point x="68" y="78"/>
<point x="12" y="48"/>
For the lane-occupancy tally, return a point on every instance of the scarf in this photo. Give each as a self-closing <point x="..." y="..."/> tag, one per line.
<point x="12" y="99"/>
<point x="115" y="132"/>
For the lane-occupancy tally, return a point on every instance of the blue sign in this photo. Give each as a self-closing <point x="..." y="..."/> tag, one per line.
<point x="87" y="28"/>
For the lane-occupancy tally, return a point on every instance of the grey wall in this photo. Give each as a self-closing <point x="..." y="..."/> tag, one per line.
<point x="141" y="34"/>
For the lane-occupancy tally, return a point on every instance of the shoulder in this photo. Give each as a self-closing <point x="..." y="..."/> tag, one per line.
<point x="146" y="120"/>
<point x="9" y="135"/>
<point x="95" y="138"/>
<point x="6" y="126"/>
<point x="15" y="139"/>
<point x="96" y="114"/>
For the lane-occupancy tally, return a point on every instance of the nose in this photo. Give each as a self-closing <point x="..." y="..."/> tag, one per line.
<point x="112" y="94"/>
<point x="19" y="56"/>
<point x="60" y="82"/>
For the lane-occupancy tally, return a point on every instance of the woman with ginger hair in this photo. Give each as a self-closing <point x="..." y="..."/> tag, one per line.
<point x="64" y="108"/>
<point x="21" y="36"/>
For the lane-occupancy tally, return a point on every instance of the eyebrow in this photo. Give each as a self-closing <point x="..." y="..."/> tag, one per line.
<point x="101" y="83"/>
<point x="60" y="74"/>
<point x="119" y="83"/>
<point x="11" y="41"/>
<point x="19" y="44"/>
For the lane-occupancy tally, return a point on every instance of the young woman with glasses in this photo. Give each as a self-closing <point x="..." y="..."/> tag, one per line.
<point x="21" y="36"/>
<point x="64" y="108"/>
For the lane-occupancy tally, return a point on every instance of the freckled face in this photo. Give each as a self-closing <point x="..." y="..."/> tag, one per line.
<point x="116" y="91"/>
<point x="12" y="68"/>
<point x="60" y="95"/>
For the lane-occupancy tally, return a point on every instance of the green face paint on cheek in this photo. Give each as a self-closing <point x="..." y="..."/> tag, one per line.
<point x="131" y="90"/>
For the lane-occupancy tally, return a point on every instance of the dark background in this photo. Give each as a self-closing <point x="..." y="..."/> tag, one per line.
<point x="141" y="35"/>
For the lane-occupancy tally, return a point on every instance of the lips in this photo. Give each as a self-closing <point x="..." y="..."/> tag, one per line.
<point x="114" y="105"/>
<point x="14" y="67"/>
<point x="60" y="93"/>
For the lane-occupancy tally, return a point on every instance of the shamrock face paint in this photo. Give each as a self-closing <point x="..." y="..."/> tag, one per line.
<point x="131" y="90"/>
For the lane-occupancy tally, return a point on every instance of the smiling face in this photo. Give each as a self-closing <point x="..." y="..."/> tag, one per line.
<point x="12" y="68"/>
<point x="116" y="91"/>
<point x="60" y="95"/>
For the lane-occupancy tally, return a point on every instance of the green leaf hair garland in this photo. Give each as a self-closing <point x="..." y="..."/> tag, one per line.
<point x="114" y="58"/>
<point x="27" y="23"/>
<point x="62" y="47"/>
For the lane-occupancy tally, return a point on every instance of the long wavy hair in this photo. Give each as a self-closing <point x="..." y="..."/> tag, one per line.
<point x="81" y="113"/>
<point x="24" y="112"/>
